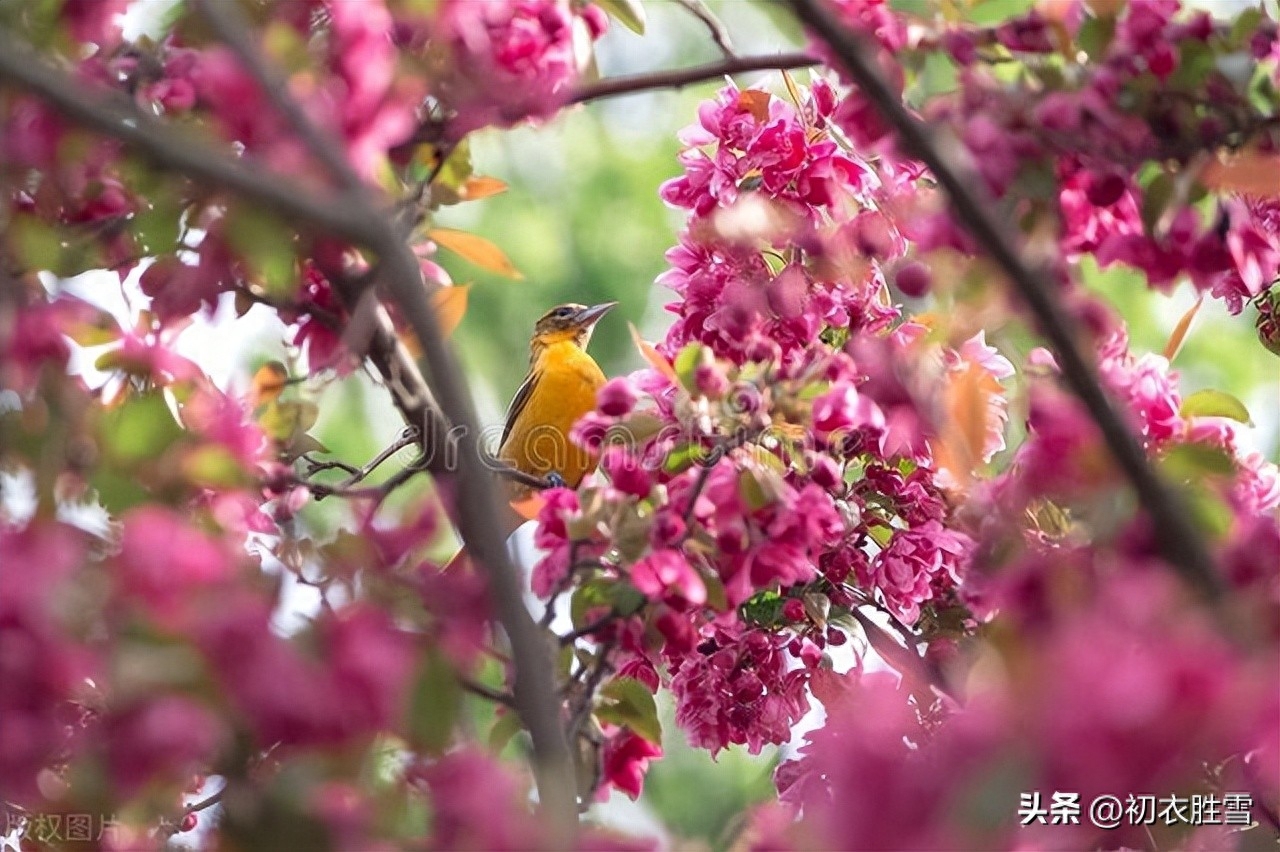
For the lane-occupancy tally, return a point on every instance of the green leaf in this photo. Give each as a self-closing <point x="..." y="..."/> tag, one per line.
<point x="630" y="13"/>
<point x="763" y="608"/>
<point x="38" y="246"/>
<point x="1095" y="36"/>
<point x="629" y="702"/>
<point x="1192" y="462"/>
<point x="1244" y="26"/>
<point x="686" y="365"/>
<point x="590" y="595"/>
<point x="1215" y="403"/>
<point x="625" y="598"/>
<point x="434" y="704"/>
<point x="285" y="420"/>
<point x="682" y="457"/>
<point x="1156" y="199"/>
<point x="989" y="12"/>
<point x="263" y="241"/>
<point x="140" y="428"/>
<point x="759" y="487"/>
<point x="717" y="597"/>
<point x="1195" y="63"/>
<point x="937" y="77"/>
<point x="504" y="729"/>
<point x="213" y="466"/>
<point x="446" y="186"/>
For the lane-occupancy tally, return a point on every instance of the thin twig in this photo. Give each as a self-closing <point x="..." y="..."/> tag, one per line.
<point x="408" y="437"/>
<point x="477" y="688"/>
<point x="634" y="83"/>
<point x="1174" y="528"/>
<point x="602" y="670"/>
<point x="714" y="25"/>
<point x="587" y="630"/>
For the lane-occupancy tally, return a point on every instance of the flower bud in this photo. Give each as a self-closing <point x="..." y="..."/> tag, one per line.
<point x="793" y="610"/>
<point x="616" y="397"/>
<point x="710" y="381"/>
<point x="913" y="279"/>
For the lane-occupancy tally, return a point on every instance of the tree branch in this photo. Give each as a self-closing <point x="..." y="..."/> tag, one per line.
<point x="698" y="8"/>
<point x="634" y="83"/>
<point x="355" y="218"/>
<point x="1174" y="528"/>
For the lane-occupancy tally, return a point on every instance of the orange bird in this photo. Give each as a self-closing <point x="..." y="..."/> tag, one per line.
<point x="560" y="388"/>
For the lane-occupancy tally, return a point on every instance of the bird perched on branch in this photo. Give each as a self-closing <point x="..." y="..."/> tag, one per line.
<point x="560" y="388"/>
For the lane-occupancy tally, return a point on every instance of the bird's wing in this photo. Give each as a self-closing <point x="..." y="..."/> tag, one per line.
<point x="517" y="405"/>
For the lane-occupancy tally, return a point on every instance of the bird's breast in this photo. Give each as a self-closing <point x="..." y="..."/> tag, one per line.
<point x="539" y="443"/>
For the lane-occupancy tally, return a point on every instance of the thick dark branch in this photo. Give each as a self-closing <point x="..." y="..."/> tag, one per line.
<point x="477" y="499"/>
<point x="354" y="218"/>
<point x="616" y="86"/>
<point x="1174" y="528"/>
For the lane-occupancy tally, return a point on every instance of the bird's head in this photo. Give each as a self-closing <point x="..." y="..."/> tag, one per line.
<point x="571" y="322"/>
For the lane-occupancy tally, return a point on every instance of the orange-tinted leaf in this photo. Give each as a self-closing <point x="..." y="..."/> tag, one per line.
<point x="451" y="306"/>
<point x="653" y="356"/>
<point x="968" y="397"/>
<point x="268" y="382"/>
<point x="1249" y="172"/>
<point x="529" y="507"/>
<point x="1180" y="330"/>
<point x="755" y="102"/>
<point x="476" y="249"/>
<point x="480" y="186"/>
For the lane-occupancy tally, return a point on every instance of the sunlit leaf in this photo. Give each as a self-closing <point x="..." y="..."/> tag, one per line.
<point x="283" y="421"/>
<point x="686" y="365"/>
<point x="213" y="466"/>
<point x="475" y="249"/>
<point x="92" y="326"/>
<point x="756" y="102"/>
<point x="480" y="186"/>
<point x="1215" y="403"/>
<point x="682" y="457"/>
<point x="434" y="706"/>
<point x="1180" y="330"/>
<point x="140" y="428"/>
<point x="268" y="383"/>
<point x="450" y="304"/>
<point x="629" y="13"/>
<point x="505" y="727"/>
<point x="629" y="702"/>
<point x="1249" y="172"/>
<point x="653" y="356"/>
<point x="1192" y="462"/>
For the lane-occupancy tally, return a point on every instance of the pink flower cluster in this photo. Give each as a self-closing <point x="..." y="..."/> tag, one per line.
<point x="771" y="175"/>
<point x="510" y="60"/>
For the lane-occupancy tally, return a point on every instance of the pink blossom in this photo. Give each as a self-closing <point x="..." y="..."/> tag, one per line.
<point x="512" y="60"/>
<point x="168" y="565"/>
<point x="667" y="575"/>
<point x="918" y="565"/>
<point x="164" y="740"/>
<point x="476" y="802"/>
<point x="736" y="690"/>
<point x="626" y="761"/>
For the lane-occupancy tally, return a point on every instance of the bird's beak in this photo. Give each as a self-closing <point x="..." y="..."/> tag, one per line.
<point x="588" y="317"/>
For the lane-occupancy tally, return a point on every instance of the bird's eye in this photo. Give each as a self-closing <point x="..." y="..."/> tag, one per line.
<point x="564" y="312"/>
